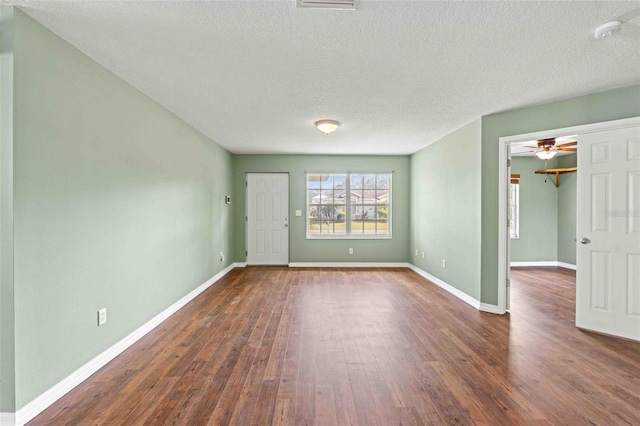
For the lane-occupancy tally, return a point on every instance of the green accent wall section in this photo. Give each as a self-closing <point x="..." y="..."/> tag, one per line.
<point x="445" y="209"/>
<point x="118" y="204"/>
<point x="605" y="106"/>
<point x="304" y="250"/>
<point x="7" y="330"/>
<point x="567" y="197"/>
<point x="538" y="239"/>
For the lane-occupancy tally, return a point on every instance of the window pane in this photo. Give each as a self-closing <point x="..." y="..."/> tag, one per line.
<point x="340" y="181"/>
<point x="313" y="196"/>
<point x="368" y="212"/>
<point x="357" y="227"/>
<point x="382" y="212"/>
<point x="326" y="182"/>
<point x="356" y="196"/>
<point x="369" y="181"/>
<point x="356" y="182"/>
<point x="313" y="212"/>
<point x="382" y="181"/>
<point x="326" y="197"/>
<point x="314" y="227"/>
<point x="313" y="181"/>
<point x="382" y="196"/>
<point x="327" y="212"/>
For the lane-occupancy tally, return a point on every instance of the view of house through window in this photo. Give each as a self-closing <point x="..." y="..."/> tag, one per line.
<point x="514" y="226"/>
<point x="349" y="205"/>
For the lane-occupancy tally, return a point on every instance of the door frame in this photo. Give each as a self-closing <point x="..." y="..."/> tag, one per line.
<point x="503" y="187"/>
<point x="246" y="212"/>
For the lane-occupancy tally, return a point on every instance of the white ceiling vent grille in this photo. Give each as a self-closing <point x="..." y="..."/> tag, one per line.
<point x="327" y="4"/>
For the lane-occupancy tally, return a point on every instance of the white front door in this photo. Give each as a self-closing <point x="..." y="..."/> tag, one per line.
<point x="267" y="218"/>
<point x="608" y="232"/>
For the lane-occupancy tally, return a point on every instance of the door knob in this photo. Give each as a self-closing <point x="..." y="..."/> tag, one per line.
<point x="585" y="240"/>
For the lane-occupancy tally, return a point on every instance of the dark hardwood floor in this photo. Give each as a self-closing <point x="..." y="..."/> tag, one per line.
<point x="274" y="345"/>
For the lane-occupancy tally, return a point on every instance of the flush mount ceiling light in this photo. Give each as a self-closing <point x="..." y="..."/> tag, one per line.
<point x="327" y="126"/>
<point x="546" y="155"/>
<point x="607" y="29"/>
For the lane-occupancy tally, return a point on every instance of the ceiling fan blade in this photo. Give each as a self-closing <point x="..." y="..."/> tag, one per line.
<point x="568" y="149"/>
<point x="568" y="144"/>
<point x="527" y="146"/>
<point x="522" y="153"/>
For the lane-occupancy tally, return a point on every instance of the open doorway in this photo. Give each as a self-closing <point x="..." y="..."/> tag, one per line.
<point x="533" y="209"/>
<point x="542" y="208"/>
<point x="609" y="157"/>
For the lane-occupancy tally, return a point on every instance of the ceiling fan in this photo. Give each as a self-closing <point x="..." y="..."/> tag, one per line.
<point x="547" y="148"/>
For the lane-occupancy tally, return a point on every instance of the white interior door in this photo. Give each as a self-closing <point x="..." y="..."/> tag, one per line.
<point x="267" y="218"/>
<point x="608" y="232"/>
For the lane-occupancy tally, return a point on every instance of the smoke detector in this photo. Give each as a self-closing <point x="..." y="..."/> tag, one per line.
<point x="605" y="30"/>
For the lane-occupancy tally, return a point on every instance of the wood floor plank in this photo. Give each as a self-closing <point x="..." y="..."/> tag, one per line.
<point x="310" y="346"/>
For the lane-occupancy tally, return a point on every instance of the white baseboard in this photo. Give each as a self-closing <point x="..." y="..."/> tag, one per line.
<point x="544" y="263"/>
<point x="50" y="396"/>
<point x="7" y="419"/>
<point x="349" y="265"/>
<point x="492" y="309"/>
<point x="567" y="265"/>
<point x="485" y="307"/>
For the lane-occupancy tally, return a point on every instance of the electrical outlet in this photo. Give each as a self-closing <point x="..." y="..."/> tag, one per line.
<point x="416" y="252"/>
<point x="221" y="256"/>
<point x="102" y="316"/>
<point x="444" y="263"/>
<point x="423" y="255"/>
<point x="350" y="250"/>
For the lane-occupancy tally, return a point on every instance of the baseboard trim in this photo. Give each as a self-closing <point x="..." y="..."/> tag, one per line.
<point x="349" y="265"/>
<point x="50" y="396"/>
<point x="543" y="263"/>
<point x="7" y="419"/>
<point x="485" y="307"/>
<point x="567" y="266"/>
<point x="492" y="309"/>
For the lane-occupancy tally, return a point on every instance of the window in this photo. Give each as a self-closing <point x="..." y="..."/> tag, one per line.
<point x="514" y="207"/>
<point x="348" y="205"/>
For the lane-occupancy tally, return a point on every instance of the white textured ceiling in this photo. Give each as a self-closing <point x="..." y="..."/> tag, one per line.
<point x="255" y="75"/>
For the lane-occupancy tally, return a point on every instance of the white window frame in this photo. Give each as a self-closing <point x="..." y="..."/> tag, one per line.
<point x="348" y="209"/>
<point x="514" y="211"/>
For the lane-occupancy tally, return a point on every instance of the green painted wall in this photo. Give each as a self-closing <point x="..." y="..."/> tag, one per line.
<point x="538" y="212"/>
<point x="605" y="106"/>
<point x="117" y="203"/>
<point x="543" y="203"/>
<point x="303" y="250"/>
<point x="445" y="208"/>
<point x="567" y="211"/>
<point x="7" y="331"/>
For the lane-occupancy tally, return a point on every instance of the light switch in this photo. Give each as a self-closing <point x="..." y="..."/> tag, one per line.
<point x="298" y="212"/>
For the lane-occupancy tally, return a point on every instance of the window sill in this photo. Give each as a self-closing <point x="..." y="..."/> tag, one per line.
<point x="349" y="237"/>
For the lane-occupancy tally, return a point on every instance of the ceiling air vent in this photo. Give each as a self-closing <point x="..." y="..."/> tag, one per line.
<point x="327" y="4"/>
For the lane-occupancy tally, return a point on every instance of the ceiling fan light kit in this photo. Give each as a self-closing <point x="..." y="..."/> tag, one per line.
<point x="605" y="30"/>
<point x="327" y="126"/>
<point x="546" y="155"/>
